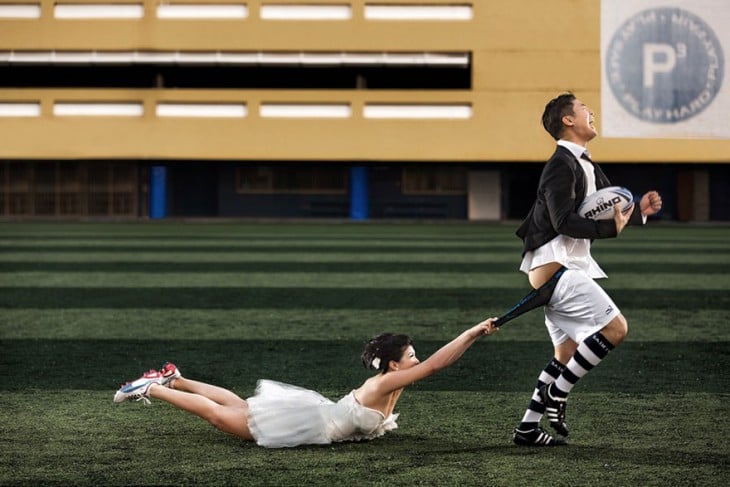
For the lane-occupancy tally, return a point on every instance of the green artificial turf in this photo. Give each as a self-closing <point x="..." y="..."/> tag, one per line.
<point x="86" y="306"/>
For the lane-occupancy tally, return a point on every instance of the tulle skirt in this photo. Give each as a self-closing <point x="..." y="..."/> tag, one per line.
<point x="284" y="415"/>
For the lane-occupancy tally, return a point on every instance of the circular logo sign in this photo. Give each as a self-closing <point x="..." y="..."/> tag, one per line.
<point x="664" y="65"/>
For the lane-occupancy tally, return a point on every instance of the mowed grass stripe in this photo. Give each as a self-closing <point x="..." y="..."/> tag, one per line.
<point x="681" y="261"/>
<point x="205" y="238"/>
<point x="677" y="282"/>
<point x="487" y="236"/>
<point x="384" y="280"/>
<point x="337" y="267"/>
<point x="211" y="229"/>
<point x="55" y="364"/>
<point x="512" y="249"/>
<point x="258" y="229"/>
<point x="681" y="325"/>
<point x="271" y="247"/>
<point x="324" y="298"/>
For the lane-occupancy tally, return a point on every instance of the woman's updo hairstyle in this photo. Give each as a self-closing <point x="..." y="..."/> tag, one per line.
<point x="380" y="350"/>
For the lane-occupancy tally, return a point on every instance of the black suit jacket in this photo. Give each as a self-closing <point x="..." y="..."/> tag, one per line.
<point x="560" y="192"/>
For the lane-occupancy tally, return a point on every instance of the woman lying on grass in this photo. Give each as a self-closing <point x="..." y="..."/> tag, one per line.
<point x="283" y="415"/>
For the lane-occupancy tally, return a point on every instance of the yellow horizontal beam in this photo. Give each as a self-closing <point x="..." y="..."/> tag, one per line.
<point x="496" y="25"/>
<point x="504" y="126"/>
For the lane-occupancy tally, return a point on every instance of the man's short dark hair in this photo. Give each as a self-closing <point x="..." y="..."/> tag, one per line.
<point x="555" y="110"/>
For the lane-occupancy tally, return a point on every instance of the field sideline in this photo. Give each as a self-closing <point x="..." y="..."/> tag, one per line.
<point x="85" y="306"/>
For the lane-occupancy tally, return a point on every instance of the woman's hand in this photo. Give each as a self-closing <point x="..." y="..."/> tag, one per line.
<point x="486" y="327"/>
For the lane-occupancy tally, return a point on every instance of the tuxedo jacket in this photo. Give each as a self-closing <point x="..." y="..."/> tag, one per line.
<point x="560" y="192"/>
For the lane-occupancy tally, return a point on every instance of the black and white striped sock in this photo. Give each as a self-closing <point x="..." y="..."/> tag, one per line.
<point x="536" y="408"/>
<point x="590" y="352"/>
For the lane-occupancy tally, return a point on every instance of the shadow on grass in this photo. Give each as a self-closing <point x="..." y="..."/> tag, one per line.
<point x="334" y="367"/>
<point x="640" y="456"/>
<point x="325" y="298"/>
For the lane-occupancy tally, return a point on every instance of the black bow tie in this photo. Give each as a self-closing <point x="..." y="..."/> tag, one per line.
<point x="586" y="155"/>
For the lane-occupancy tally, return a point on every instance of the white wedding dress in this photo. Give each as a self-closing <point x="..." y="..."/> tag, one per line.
<point x="283" y="415"/>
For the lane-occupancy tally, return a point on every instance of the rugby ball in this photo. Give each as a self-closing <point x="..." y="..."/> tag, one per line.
<point x="599" y="205"/>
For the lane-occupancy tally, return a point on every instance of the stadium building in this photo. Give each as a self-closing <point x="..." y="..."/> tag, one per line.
<point x="355" y="109"/>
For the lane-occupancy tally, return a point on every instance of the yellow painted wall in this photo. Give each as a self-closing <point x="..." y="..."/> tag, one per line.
<point x="520" y="61"/>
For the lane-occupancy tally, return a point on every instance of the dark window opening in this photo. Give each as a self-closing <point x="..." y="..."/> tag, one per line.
<point x="291" y="179"/>
<point x="232" y="77"/>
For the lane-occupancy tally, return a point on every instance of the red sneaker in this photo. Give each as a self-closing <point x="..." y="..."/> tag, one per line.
<point x="169" y="372"/>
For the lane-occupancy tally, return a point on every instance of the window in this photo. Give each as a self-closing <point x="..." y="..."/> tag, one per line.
<point x="291" y="179"/>
<point x="70" y="188"/>
<point x="440" y="179"/>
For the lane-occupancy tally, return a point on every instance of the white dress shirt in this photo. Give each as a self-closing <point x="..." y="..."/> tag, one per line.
<point x="573" y="253"/>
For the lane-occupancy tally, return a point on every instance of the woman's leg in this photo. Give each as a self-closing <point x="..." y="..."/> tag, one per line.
<point x="217" y="394"/>
<point x="230" y="418"/>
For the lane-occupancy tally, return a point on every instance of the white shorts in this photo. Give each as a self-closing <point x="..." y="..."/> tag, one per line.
<point x="578" y="308"/>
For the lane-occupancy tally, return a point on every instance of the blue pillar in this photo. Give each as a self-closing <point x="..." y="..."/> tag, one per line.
<point x="158" y="192"/>
<point x="359" y="197"/>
